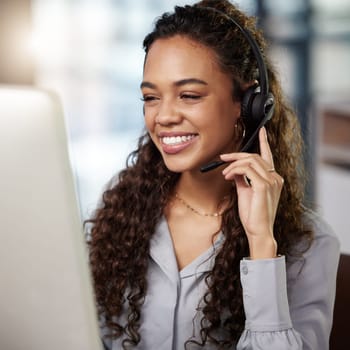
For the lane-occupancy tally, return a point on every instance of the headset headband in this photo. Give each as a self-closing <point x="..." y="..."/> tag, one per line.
<point x="263" y="80"/>
<point x="258" y="103"/>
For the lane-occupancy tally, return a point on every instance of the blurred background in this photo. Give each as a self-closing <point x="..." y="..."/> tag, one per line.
<point x="90" y="53"/>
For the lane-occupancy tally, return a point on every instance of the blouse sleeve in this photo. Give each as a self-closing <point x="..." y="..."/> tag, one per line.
<point x="290" y="306"/>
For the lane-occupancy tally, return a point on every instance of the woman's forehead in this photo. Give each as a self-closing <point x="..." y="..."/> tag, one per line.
<point x="180" y="53"/>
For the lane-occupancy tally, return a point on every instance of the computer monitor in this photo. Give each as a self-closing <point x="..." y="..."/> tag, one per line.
<point x="46" y="296"/>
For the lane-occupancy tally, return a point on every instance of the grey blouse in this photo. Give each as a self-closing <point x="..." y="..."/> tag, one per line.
<point x="288" y="306"/>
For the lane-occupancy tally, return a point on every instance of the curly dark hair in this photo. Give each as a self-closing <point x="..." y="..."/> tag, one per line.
<point x="121" y="228"/>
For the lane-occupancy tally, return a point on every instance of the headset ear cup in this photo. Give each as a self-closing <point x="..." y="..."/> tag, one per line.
<point x="254" y="104"/>
<point x="247" y="101"/>
<point x="258" y="104"/>
<point x="269" y="106"/>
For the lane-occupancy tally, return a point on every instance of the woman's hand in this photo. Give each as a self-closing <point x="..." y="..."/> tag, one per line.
<point x="257" y="199"/>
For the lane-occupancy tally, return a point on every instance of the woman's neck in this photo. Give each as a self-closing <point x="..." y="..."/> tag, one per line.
<point x="208" y="189"/>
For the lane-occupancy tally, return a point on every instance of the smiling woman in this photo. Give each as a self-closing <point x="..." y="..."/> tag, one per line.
<point x="186" y="259"/>
<point x="187" y="95"/>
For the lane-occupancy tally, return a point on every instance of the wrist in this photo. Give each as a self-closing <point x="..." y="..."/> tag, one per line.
<point x="262" y="248"/>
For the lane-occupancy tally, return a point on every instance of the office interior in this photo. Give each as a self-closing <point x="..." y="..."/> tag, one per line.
<point x="90" y="53"/>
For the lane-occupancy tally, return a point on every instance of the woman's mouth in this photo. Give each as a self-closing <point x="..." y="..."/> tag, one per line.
<point x="176" y="143"/>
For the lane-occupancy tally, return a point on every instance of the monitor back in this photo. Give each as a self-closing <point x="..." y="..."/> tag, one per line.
<point x="46" y="297"/>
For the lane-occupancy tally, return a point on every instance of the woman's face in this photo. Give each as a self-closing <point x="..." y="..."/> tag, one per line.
<point x="189" y="110"/>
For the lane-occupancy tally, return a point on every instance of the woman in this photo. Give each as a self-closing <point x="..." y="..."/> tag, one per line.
<point x="226" y="259"/>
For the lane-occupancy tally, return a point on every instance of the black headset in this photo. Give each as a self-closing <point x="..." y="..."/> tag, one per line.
<point x="257" y="104"/>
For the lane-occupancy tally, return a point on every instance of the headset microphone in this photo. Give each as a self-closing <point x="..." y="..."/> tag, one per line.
<point x="257" y="104"/>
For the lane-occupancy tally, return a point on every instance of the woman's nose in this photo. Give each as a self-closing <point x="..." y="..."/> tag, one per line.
<point x="168" y="113"/>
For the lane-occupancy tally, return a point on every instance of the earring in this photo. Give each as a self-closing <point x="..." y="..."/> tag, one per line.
<point x="239" y="126"/>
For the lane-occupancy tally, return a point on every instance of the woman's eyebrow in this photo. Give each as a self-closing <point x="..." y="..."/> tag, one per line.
<point x="147" y="84"/>
<point x="190" y="81"/>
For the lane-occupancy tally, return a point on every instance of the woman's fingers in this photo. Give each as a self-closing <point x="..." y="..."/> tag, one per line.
<point x="243" y="172"/>
<point x="265" y="150"/>
<point x="250" y="161"/>
<point x="262" y="164"/>
<point x="258" y="178"/>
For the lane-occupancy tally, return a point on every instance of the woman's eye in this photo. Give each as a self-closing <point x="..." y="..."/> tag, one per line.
<point x="148" y="98"/>
<point x="190" y="96"/>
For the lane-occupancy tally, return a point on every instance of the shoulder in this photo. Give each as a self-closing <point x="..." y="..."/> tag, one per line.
<point x="321" y="255"/>
<point x="324" y="238"/>
<point x="311" y="283"/>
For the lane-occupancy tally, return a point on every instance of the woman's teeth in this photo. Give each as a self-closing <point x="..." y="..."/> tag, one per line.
<point x="173" y="140"/>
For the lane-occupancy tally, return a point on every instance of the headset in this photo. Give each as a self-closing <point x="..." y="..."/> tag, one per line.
<point x="257" y="104"/>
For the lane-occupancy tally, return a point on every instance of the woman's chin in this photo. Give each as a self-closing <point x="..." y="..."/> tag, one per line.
<point x="181" y="167"/>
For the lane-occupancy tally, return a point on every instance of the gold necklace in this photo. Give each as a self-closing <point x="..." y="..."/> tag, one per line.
<point x="195" y="210"/>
